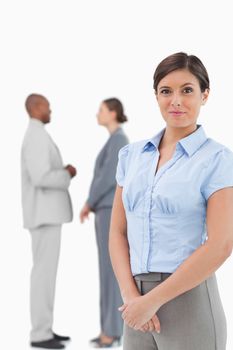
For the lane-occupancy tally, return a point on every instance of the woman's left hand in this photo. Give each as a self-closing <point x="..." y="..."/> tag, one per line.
<point x="138" y="311"/>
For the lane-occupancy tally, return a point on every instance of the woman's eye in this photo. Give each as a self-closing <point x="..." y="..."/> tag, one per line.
<point x="188" y="90"/>
<point x="165" y="91"/>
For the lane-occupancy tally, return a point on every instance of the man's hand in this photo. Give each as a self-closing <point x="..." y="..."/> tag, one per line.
<point x="72" y="170"/>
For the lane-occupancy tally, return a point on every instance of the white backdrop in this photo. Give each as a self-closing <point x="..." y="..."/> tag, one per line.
<point x="78" y="53"/>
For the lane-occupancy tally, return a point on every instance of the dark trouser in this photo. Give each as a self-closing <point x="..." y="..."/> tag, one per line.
<point x="194" y="320"/>
<point x="110" y="298"/>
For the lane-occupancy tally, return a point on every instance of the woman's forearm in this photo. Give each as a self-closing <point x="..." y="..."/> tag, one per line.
<point x="119" y="253"/>
<point x="192" y="272"/>
<point x="119" y="248"/>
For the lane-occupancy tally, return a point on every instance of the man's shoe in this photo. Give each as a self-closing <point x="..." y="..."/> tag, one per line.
<point x="47" y="344"/>
<point x="61" y="337"/>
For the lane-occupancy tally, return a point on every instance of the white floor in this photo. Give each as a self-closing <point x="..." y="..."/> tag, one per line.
<point x="75" y="344"/>
<point x="77" y="293"/>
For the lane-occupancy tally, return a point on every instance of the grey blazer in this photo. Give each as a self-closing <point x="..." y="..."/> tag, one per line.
<point x="45" y="182"/>
<point x="103" y="185"/>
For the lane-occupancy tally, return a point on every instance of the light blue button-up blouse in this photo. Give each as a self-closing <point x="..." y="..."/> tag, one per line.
<point x="166" y="211"/>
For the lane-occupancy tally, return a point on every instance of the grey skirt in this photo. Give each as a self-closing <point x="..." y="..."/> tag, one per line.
<point x="194" y="320"/>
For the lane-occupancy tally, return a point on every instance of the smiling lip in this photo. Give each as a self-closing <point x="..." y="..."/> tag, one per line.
<point x="176" y="113"/>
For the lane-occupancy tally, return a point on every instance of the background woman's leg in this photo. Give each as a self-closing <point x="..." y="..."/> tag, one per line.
<point x="110" y="298"/>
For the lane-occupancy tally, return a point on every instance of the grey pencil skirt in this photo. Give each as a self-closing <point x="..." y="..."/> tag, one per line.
<point x="194" y="320"/>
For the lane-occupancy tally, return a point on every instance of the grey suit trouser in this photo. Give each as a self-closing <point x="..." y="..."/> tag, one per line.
<point x="194" y="320"/>
<point x="45" y="250"/>
<point x="110" y="298"/>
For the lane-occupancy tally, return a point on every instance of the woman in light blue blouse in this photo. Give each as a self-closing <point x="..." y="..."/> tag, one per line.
<point x="172" y="221"/>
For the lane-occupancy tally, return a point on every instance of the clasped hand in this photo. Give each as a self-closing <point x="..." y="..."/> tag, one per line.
<point x="140" y="314"/>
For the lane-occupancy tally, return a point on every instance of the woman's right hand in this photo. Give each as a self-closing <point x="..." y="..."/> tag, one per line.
<point x="153" y="324"/>
<point x="84" y="214"/>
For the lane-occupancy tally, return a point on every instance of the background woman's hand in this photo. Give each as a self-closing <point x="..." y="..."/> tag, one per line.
<point x="84" y="214"/>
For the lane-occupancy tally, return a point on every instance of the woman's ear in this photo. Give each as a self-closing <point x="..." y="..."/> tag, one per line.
<point x="113" y="115"/>
<point x="205" y="96"/>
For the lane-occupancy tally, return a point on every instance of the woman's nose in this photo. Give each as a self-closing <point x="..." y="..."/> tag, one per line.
<point x="176" y="101"/>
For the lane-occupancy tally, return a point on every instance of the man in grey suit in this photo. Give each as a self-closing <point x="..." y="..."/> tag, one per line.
<point x="46" y="206"/>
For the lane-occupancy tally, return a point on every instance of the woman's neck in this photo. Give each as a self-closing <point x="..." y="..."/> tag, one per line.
<point x="112" y="127"/>
<point x="173" y="135"/>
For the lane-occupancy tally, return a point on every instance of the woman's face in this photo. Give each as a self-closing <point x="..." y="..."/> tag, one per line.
<point x="180" y="98"/>
<point x="104" y="115"/>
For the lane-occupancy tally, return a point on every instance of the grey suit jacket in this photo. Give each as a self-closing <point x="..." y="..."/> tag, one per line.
<point x="103" y="185"/>
<point x="45" y="182"/>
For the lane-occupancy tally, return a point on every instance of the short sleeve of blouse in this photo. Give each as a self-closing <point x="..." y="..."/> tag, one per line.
<point x="121" y="165"/>
<point x="219" y="173"/>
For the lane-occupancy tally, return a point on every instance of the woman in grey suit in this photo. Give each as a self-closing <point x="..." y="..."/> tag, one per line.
<point x="111" y="116"/>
